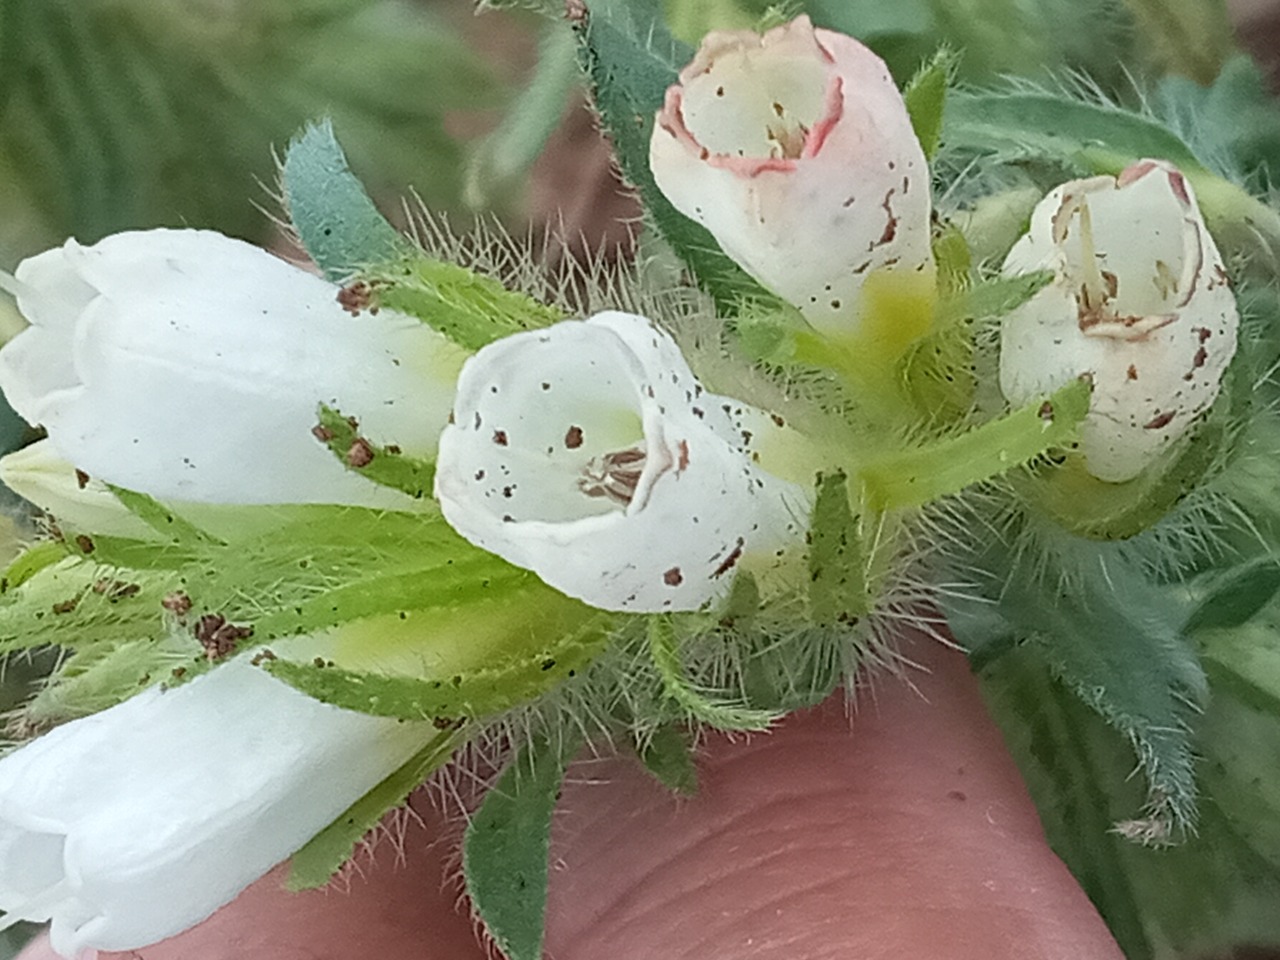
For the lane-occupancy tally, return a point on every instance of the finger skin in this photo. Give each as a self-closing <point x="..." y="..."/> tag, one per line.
<point x="904" y="832"/>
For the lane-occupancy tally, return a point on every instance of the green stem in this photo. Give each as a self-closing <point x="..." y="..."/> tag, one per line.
<point x="926" y="474"/>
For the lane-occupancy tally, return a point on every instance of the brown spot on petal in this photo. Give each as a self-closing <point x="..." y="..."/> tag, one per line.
<point x="890" y="228"/>
<point x="322" y="433"/>
<point x="1046" y="411"/>
<point x="728" y="563"/>
<point x="573" y="438"/>
<point x="683" y="462"/>
<point x="673" y="577"/>
<point x="84" y="543"/>
<point x="1160" y="420"/>
<point x="1132" y="372"/>
<point x="500" y="437"/>
<point x="82" y="478"/>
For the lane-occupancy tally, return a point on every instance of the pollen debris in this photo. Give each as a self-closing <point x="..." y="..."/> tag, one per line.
<point x="673" y="577"/>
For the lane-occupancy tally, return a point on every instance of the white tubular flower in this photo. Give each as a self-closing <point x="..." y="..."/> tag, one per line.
<point x="38" y="474"/>
<point x="1140" y="303"/>
<point x="128" y="826"/>
<point x="796" y="151"/>
<point x="187" y="365"/>
<point x="589" y="454"/>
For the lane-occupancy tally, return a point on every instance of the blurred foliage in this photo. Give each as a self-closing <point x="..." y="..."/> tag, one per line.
<point x="118" y="114"/>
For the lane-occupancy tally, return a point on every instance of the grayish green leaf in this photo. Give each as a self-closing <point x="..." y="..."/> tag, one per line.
<point x="504" y="853"/>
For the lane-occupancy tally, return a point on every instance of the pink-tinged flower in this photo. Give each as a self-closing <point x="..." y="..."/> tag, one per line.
<point x="1140" y="303"/>
<point x="796" y="151"/>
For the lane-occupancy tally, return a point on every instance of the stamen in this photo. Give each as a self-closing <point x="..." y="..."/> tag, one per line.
<point x="615" y="475"/>
<point x="790" y="139"/>
<point x="1093" y="292"/>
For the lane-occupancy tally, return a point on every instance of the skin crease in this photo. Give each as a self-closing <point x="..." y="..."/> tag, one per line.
<point x="903" y="833"/>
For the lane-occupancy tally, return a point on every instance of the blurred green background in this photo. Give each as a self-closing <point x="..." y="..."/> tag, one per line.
<point x="119" y="114"/>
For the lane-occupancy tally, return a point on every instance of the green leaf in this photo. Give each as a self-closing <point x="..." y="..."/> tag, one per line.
<point x="338" y="224"/>
<point x="992" y="298"/>
<point x="75" y="602"/>
<point x="30" y="562"/>
<point x="475" y="692"/>
<point x="1113" y="638"/>
<point x="507" y="153"/>
<point x="667" y="756"/>
<point x="721" y="714"/>
<point x="1236" y="114"/>
<point x="384" y="465"/>
<point x="1235" y="595"/>
<point x="1083" y="137"/>
<point x="1201" y="898"/>
<point x="1087" y="136"/>
<point x="505" y="850"/>
<point x="1190" y="37"/>
<point x="928" y="473"/>
<point x="837" y="579"/>
<point x="167" y="523"/>
<point x="324" y="854"/>
<point x="470" y="309"/>
<point x="631" y="59"/>
<point x="926" y="96"/>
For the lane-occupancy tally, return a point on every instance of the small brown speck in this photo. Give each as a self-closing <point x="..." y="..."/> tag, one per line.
<point x="1046" y="411"/>
<point x="322" y="433"/>
<point x="177" y="603"/>
<point x="673" y="577"/>
<point x="218" y="637"/>
<point x="82" y="478"/>
<point x="360" y="454"/>
<point x="66" y="606"/>
<point x="1133" y="372"/>
<point x="261" y="657"/>
<point x="1159" y="420"/>
<point x="573" y="438"/>
<point x="957" y="795"/>
<point x="84" y="543"/>
<point x="500" y="437"/>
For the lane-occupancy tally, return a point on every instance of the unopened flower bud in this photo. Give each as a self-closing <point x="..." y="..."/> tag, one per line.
<point x="1140" y="304"/>
<point x="796" y="151"/>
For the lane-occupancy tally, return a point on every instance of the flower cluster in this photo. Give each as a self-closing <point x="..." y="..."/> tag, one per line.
<point x="441" y="520"/>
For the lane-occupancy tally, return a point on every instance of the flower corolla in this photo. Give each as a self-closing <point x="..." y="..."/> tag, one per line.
<point x="190" y="366"/>
<point x="1140" y="304"/>
<point x="796" y="151"/>
<point x="588" y="453"/>
<point x="130" y="825"/>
